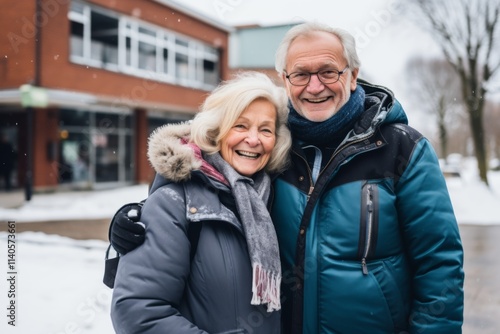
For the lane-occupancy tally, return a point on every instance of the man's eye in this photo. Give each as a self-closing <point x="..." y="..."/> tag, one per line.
<point x="299" y="75"/>
<point x="329" y="73"/>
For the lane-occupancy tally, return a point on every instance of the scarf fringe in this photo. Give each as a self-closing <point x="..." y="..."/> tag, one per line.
<point x="266" y="288"/>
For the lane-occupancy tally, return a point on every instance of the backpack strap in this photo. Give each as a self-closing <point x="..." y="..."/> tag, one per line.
<point x="110" y="268"/>
<point x="111" y="264"/>
<point x="193" y="233"/>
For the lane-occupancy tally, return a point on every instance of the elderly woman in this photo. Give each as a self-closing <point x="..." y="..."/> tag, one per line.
<point x="212" y="176"/>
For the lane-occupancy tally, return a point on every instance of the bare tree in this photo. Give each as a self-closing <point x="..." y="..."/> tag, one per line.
<point x="468" y="33"/>
<point x="492" y="127"/>
<point x="435" y="87"/>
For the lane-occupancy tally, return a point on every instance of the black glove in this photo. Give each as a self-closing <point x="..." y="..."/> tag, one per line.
<point x="125" y="231"/>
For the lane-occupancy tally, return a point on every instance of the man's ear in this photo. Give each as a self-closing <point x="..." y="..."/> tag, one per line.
<point x="283" y="78"/>
<point x="354" y="78"/>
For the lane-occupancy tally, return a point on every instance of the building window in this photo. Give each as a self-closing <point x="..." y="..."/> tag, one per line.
<point x="95" y="148"/>
<point x="182" y="70"/>
<point x="209" y="60"/>
<point x="78" y="23"/>
<point x="94" y="37"/>
<point x="104" y="39"/>
<point x="147" y="56"/>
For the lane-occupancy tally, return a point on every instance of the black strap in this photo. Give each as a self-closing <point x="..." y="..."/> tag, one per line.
<point x="110" y="268"/>
<point x="111" y="265"/>
<point x="194" y="230"/>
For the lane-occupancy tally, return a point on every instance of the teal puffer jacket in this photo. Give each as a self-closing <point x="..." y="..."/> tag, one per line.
<point x="373" y="246"/>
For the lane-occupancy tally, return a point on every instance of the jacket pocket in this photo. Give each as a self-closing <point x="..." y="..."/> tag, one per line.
<point x="394" y="284"/>
<point x="368" y="229"/>
<point x="353" y="302"/>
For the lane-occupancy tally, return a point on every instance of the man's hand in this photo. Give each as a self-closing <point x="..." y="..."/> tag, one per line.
<point x="125" y="231"/>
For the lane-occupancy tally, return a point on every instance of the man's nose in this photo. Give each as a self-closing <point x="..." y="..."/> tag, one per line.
<point x="315" y="85"/>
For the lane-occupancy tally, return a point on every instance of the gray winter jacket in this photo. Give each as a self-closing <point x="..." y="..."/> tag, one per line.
<point x="158" y="289"/>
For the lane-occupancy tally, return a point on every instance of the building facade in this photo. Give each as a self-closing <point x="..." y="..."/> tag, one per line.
<point x="84" y="82"/>
<point x="253" y="48"/>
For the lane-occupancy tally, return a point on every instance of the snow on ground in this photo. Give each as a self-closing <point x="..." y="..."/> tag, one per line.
<point x="74" y="205"/>
<point x="58" y="286"/>
<point x="58" y="281"/>
<point x="473" y="201"/>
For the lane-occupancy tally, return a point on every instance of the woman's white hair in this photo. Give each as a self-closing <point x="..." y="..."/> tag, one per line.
<point x="228" y="101"/>
<point x="304" y="29"/>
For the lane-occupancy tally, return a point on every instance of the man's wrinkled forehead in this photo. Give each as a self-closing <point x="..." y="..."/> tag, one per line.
<point x="318" y="49"/>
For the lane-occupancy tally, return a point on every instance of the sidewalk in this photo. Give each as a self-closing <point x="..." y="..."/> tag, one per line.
<point x="76" y="229"/>
<point x="12" y="199"/>
<point x="482" y="287"/>
<point x="80" y="229"/>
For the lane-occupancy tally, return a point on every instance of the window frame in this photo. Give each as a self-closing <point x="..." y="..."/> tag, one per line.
<point x="131" y="33"/>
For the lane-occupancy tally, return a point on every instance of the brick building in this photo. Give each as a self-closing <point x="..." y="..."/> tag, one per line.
<point x="83" y="83"/>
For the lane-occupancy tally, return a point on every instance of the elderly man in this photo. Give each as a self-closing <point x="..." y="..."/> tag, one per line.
<point x="368" y="238"/>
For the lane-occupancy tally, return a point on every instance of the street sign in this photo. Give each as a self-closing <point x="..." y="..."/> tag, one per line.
<point x="32" y="96"/>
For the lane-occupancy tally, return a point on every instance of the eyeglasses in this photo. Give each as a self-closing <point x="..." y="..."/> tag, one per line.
<point x="325" y="76"/>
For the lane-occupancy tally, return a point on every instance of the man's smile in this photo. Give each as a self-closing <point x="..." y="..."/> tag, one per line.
<point x="317" y="100"/>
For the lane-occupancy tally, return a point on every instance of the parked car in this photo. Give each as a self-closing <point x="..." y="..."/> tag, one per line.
<point x="495" y="164"/>
<point x="452" y="166"/>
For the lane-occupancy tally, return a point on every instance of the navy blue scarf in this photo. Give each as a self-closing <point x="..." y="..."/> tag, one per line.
<point x="321" y="133"/>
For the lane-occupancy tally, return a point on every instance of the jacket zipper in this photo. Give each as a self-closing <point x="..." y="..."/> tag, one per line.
<point x="369" y="227"/>
<point x="339" y="149"/>
<point x="311" y="188"/>
<point x="369" y="198"/>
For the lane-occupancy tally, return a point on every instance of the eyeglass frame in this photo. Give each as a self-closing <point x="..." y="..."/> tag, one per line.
<point x="317" y="74"/>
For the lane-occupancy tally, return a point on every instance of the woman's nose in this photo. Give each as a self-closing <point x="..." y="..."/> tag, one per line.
<point x="253" y="138"/>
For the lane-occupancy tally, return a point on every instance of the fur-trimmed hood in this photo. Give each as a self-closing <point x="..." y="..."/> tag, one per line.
<point x="169" y="155"/>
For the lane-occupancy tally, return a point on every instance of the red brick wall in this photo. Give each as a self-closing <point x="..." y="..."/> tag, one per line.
<point x="143" y="171"/>
<point x="17" y="44"/>
<point x="57" y="71"/>
<point x="47" y="172"/>
<point x="19" y="65"/>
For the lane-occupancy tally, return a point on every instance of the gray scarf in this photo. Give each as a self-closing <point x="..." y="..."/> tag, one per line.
<point x="251" y="195"/>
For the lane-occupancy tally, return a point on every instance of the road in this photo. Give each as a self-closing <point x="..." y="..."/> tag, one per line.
<point x="80" y="230"/>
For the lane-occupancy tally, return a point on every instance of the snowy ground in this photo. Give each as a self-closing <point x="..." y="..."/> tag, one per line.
<point x="59" y="287"/>
<point x="473" y="201"/>
<point x="74" y="205"/>
<point x="58" y="281"/>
